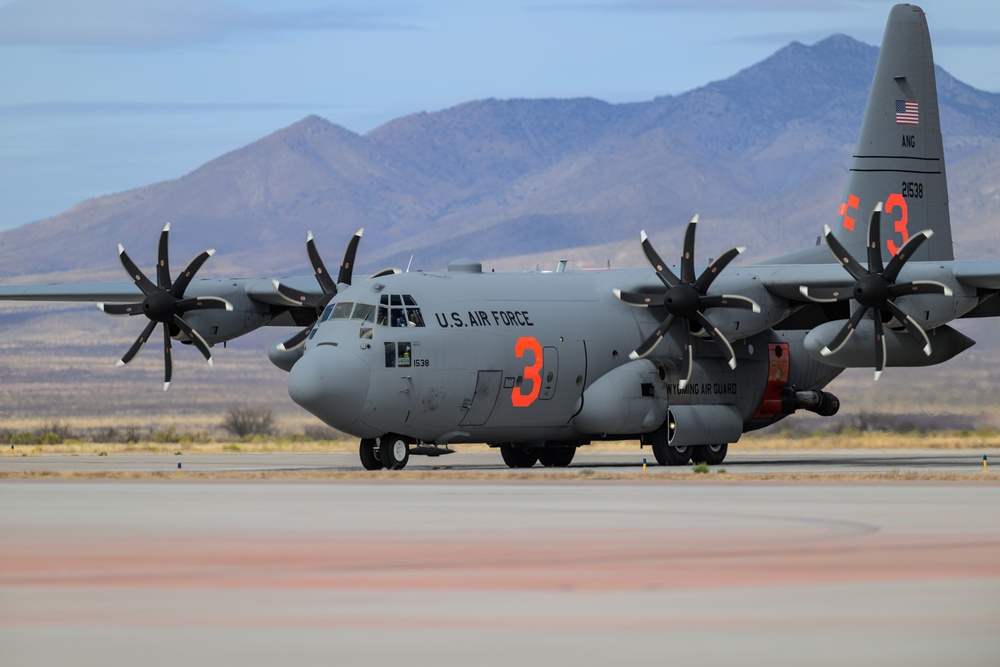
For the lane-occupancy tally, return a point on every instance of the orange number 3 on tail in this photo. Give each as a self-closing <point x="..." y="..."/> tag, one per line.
<point x="896" y="200"/>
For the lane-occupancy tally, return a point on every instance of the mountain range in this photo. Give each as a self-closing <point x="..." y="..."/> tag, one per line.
<point x="762" y="156"/>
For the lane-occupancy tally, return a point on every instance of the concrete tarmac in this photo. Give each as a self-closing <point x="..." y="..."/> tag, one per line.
<point x="481" y="460"/>
<point x="390" y="572"/>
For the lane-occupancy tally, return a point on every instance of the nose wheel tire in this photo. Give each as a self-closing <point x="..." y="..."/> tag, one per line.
<point x="713" y="455"/>
<point x="369" y="454"/>
<point x="394" y="452"/>
<point x="515" y="457"/>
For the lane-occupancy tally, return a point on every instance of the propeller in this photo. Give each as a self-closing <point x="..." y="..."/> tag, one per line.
<point x="875" y="288"/>
<point x="329" y="288"/>
<point x="164" y="303"/>
<point x="686" y="299"/>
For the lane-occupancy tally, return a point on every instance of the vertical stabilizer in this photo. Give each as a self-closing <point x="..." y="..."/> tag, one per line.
<point x="899" y="159"/>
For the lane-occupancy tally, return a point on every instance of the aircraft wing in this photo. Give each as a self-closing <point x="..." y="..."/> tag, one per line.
<point x="85" y="292"/>
<point x="982" y="274"/>
<point x="787" y="281"/>
<point x="261" y="290"/>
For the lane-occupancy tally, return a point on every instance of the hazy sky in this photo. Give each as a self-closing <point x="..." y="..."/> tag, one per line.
<point x="100" y="96"/>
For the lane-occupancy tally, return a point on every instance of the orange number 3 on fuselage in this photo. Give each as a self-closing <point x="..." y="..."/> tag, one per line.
<point x="533" y="372"/>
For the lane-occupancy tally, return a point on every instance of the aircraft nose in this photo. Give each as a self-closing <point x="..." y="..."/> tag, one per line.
<point x="331" y="383"/>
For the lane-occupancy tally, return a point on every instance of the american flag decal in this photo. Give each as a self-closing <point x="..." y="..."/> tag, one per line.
<point x="907" y="113"/>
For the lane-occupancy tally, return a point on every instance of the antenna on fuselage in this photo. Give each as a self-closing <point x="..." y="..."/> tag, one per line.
<point x="409" y="263"/>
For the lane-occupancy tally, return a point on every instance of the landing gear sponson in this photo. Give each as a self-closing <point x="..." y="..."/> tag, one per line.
<point x="393" y="452"/>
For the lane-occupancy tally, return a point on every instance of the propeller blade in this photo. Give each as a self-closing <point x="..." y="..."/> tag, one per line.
<point x="138" y="277"/>
<point x="121" y="308"/>
<point x="846" y="260"/>
<point x="720" y="341"/>
<point x="637" y="299"/>
<point x="687" y="258"/>
<point x="662" y="270"/>
<point x="875" y="240"/>
<point x="687" y="360"/>
<point x="204" y="303"/>
<point x="879" y="347"/>
<point x="162" y="260"/>
<point x="919" y="287"/>
<point x="167" y="363"/>
<point x="650" y="343"/>
<point x="911" y="325"/>
<point x="296" y="297"/>
<point x="709" y="275"/>
<point x="137" y="345"/>
<point x="319" y="269"/>
<point x="825" y="294"/>
<point x="899" y="259"/>
<point x="185" y="278"/>
<point x="728" y="301"/>
<point x="296" y="340"/>
<point x="195" y="337"/>
<point x="347" y="267"/>
<point x="845" y="333"/>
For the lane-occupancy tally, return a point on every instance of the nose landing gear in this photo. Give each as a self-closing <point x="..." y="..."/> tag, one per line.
<point x="391" y="452"/>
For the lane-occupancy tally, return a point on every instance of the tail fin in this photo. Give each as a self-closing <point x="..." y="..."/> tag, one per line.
<point x="899" y="159"/>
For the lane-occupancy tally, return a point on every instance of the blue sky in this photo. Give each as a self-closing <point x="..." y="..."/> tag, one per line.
<point x="105" y="95"/>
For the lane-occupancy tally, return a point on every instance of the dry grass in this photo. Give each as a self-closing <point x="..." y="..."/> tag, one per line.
<point x="572" y="475"/>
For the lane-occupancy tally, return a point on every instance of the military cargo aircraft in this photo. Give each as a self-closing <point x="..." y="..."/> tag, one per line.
<point x="538" y="363"/>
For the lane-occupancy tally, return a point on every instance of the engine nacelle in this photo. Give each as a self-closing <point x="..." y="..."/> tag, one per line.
<point x="284" y="359"/>
<point x="902" y="349"/>
<point x="739" y="324"/>
<point x="689" y="425"/>
<point x="627" y="400"/>
<point x="217" y="326"/>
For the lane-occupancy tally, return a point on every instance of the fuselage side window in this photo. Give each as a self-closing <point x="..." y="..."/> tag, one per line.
<point x="403" y="357"/>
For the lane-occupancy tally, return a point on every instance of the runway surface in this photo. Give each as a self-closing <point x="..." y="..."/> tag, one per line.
<point x="481" y="460"/>
<point x="390" y="572"/>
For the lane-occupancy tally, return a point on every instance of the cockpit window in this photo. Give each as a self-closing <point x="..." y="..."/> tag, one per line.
<point x="342" y="310"/>
<point x="414" y="317"/>
<point x="326" y="313"/>
<point x="397" y="310"/>
<point x="364" y="312"/>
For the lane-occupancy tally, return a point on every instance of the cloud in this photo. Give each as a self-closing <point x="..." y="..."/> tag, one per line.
<point x="155" y="24"/>
<point x="870" y="36"/>
<point x="38" y="110"/>
<point x="965" y="37"/>
<point x="735" y="6"/>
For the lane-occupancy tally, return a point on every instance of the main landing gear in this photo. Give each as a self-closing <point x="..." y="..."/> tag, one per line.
<point x="551" y="455"/>
<point x="391" y="452"/>
<point x="713" y="455"/>
<point x="668" y="455"/>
